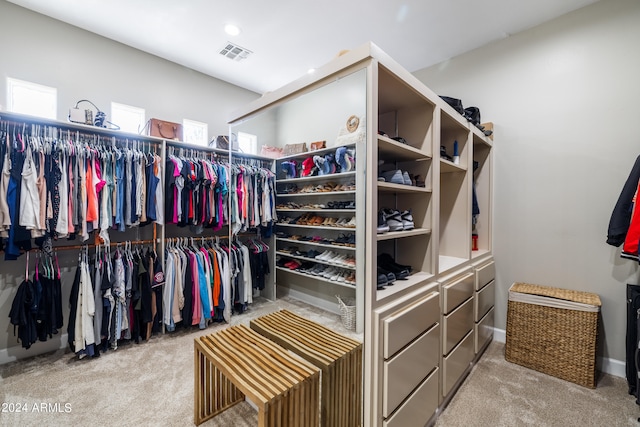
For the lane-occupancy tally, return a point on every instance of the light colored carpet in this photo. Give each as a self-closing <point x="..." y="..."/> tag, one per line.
<point x="136" y="385"/>
<point x="152" y="384"/>
<point x="498" y="393"/>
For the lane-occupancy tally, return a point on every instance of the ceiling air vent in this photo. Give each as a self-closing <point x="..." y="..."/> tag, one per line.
<point x="235" y="52"/>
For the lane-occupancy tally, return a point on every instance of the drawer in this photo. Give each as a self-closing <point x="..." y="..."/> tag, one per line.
<point x="454" y="365"/>
<point x="484" y="300"/>
<point x="408" y="368"/>
<point x="405" y="325"/>
<point x="456" y="292"/>
<point x="456" y="325"/>
<point x="419" y="407"/>
<point x="485" y="274"/>
<point x="484" y="331"/>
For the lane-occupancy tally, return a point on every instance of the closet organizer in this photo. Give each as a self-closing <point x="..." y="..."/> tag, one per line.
<point x="103" y="202"/>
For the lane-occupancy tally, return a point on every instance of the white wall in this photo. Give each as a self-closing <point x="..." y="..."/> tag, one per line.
<point x="564" y="100"/>
<point x="82" y="65"/>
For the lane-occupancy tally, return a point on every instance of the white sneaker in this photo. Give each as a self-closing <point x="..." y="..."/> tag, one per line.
<point x="394" y="220"/>
<point x="407" y="220"/>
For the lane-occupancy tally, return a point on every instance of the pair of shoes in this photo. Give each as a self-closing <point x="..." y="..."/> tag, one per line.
<point x="395" y="177"/>
<point x="309" y="167"/>
<point x="387" y="262"/>
<point x="293" y="264"/>
<point x="390" y="276"/>
<point x="389" y="220"/>
<point x="326" y="165"/>
<point x="341" y="205"/>
<point x="345" y="158"/>
<point x="326" y="255"/>
<point x="290" y="169"/>
<point x="394" y="220"/>
<point x="349" y="224"/>
<point x="345" y="240"/>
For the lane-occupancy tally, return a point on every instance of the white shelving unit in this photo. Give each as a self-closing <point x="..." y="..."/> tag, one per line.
<point x="404" y="125"/>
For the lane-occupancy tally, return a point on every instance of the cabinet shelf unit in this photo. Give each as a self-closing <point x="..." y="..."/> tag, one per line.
<point x="401" y="127"/>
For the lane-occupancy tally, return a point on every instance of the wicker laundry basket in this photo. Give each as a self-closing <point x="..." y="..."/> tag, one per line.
<point x="347" y="312"/>
<point x="553" y="331"/>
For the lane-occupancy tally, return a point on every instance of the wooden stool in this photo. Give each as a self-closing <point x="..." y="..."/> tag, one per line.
<point x="237" y="362"/>
<point x="339" y="358"/>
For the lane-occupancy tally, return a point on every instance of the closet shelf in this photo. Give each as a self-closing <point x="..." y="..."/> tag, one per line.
<point x="328" y="177"/>
<point x="317" y="261"/>
<point x="446" y="167"/>
<point x="319" y="278"/>
<point x="400" y="234"/>
<point x="416" y="279"/>
<point x="479" y="253"/>
<point x="394" y="150"/>
<point x="321" y="245"/>
<point x="449" y="262"/>
<point x="338" y="211"/>
<point x="317" y="193"/>
<point x="314" y="153"/>
<point x="389" y="187"/>
<point x="318" y="227"/>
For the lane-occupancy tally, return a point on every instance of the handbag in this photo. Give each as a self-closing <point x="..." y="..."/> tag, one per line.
<point x="164" y="129"/>
<point x="221" y="142"/>
<point x="318" y="145"/>
<point x="290" y="149"/>
<point x="271" y="152"/>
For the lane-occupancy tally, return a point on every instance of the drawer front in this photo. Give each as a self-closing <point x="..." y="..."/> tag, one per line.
<point x="457" y="291"/>
<point x="484" y="300"/>
<point x="485" y="274"/>
<point x="454" y="365"/>
<point x="408" y="368"/>
<point x="484" y="331"/>
<point x="405" y="325"/>
<point x="419" y="407"/>
<point x="456" y="325"/>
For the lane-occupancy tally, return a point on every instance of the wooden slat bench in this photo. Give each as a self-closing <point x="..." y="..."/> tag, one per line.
<point x="339" y="358"/>
<point x="237" y="362"/>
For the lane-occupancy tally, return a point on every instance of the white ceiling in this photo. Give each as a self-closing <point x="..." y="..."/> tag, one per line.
<point x="288" y="37"/>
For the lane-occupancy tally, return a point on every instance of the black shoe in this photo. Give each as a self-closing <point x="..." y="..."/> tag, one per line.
<point x="386" y="262"/>
<point x="382" y="281"/>
<point x="390" y="276"/>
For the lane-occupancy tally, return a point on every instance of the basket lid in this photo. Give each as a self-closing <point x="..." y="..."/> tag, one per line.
<point x="558" y="293"/>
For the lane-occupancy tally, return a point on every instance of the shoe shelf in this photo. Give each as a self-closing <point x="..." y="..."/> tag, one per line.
<point x="328" y="177"/>
<point x="391" y="149"/>
<point x="390" y="187"/>
<point x="450" y="262"/>
<point x="318" y="227"/>
<point x="319" y="152"/>
<point x="316" y="193"/>
<point x="317" y="261"/>
<point x="312" y="243"/>
<point x="320" y="278"/>
<point x="336" y="211"/>
<point x="447" y="166"/>
<point x="400" y="234"/>
<point x="416" y="279"/>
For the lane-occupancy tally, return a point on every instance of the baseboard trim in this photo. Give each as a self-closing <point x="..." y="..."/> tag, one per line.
<point x="614" y="367"/>
<point x="11" y="354"/>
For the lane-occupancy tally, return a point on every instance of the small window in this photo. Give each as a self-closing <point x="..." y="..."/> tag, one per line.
<point x="248" y="143"/>
<point x="129" y="118"/>
<point x="31" y="98"/>
<point x="195" y="132"/>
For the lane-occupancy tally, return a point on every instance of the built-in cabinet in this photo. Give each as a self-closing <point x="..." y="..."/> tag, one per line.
<point x="423" y="331"/>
